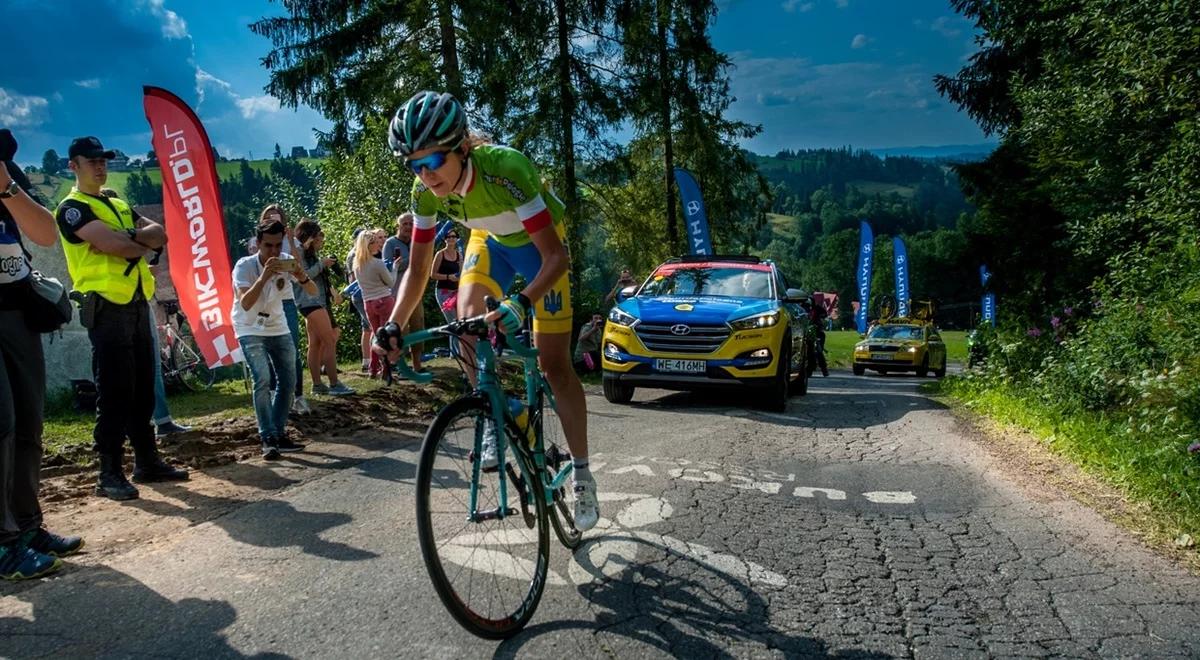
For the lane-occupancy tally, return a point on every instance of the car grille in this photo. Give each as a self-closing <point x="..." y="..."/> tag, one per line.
<point x="881" y="348"/>
<point x="701" y="338"/>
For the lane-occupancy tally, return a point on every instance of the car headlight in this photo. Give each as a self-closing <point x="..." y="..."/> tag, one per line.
<point x="757" y="321"/>
<point x="911" y="349"/>
<point x="621" y="318"/>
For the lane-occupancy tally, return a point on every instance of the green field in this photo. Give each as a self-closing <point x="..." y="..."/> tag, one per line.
<point x="839" y="345"/>
<point x="60" y="186"/>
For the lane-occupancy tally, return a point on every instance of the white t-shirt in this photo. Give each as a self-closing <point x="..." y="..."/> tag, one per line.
<point x="265" y="317"/>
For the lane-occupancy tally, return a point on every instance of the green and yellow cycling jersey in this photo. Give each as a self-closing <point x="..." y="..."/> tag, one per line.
<point x="501" y="194"/>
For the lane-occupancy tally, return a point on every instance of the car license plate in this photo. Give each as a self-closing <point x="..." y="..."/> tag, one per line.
<point x="681" y="366"/>
<point x="883" y="356"/>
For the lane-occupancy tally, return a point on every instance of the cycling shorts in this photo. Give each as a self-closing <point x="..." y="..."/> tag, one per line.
<point x="492" y="265"/>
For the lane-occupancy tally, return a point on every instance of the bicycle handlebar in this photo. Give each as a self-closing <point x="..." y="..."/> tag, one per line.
<point x="476" y="326"/>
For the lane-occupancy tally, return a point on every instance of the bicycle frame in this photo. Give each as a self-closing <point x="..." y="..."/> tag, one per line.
<point x="489" y="386"/>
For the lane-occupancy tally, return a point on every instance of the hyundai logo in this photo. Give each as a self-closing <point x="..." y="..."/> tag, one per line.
<point x="680" y="329"/>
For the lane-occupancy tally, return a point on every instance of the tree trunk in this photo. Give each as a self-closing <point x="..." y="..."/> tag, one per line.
<point x="567" y="121"/>
<point x="450" y="71"/>
<point x="668" y="146"/>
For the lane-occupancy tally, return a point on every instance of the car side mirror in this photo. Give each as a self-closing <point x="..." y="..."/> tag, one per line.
<point x="796" y="295"/>
<point x="626" y="293"/>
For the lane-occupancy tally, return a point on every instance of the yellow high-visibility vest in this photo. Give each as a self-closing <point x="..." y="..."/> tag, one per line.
<point x="106" y="274"/>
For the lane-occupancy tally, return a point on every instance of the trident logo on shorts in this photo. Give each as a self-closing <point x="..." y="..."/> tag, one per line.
<point x="553" y="301"/>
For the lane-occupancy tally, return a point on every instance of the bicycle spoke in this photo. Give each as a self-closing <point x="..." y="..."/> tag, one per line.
<point x="487" y="570"/>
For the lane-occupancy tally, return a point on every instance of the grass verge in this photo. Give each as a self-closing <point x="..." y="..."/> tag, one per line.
<point x="1154" y="493"/>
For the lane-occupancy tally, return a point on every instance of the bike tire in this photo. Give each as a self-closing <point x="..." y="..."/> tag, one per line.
<point x="562" y="519"/>
<point x="443" y="510"/>
<point x="189" y="366"/>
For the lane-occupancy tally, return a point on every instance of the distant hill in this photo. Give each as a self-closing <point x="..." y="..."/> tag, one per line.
<point x="950" y="152"/>
<point x="58" y="187"/>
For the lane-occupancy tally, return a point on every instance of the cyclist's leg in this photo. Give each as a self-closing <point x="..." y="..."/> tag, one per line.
<point x="552" y="317"/>
<point x="483" y="275"/>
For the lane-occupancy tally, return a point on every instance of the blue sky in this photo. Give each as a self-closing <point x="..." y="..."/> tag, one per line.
<point x="813" y="73"/>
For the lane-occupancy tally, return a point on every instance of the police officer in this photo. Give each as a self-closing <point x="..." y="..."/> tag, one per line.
<point x="105" y="253"/>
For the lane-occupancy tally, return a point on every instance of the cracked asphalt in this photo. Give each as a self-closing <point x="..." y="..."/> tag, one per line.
<point x="863" y="522"/>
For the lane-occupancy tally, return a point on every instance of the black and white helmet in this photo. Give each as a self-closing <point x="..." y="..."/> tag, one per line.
<point x="428" y="119"/>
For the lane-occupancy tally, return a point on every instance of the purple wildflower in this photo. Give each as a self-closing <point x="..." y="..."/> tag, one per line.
<point x="1068" y="311"/>
<point x="1055" y="322"/>
<point x="1034" y="332"/>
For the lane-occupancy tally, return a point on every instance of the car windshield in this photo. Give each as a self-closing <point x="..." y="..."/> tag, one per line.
<point x="897" y="332"/>
<point x="710" y="281"/>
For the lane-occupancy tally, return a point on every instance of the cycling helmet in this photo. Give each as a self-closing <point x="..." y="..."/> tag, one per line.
<point x="428" y="119"/>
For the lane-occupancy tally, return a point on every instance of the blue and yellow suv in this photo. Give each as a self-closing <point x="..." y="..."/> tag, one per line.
<point x="708" y="322"/>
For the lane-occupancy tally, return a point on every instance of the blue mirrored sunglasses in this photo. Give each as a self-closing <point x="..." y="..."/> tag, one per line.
<point x="433" y="161"/>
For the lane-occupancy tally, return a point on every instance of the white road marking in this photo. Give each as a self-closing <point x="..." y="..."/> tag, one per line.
<point x="891" y="497"/>
<point x="829" y="493"/>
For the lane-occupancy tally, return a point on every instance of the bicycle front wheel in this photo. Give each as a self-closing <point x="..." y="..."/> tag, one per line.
<point x="489" y="571"/>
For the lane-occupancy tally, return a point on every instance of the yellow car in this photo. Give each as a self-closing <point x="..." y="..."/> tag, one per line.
<point x="900" y="345"/>
<point x="708" y="322"/>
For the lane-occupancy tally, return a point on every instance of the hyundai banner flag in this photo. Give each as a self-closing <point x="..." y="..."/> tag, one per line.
<point x="900" y="254"/>
<point x="693" y="213"/>
<point x="866" y="243"/>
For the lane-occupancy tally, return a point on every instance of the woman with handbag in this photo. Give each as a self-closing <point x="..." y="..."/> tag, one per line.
<point x="27" y="550"/>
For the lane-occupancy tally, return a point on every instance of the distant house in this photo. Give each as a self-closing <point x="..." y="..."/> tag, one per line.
<point x="299" y="152"/>
<point x="318" y="152"/>
<point x="120" y="163"/>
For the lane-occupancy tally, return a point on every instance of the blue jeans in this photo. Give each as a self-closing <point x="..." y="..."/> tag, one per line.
<point x="162" y="414"/>
<point x="293" y="320"/>
<point x="264" y="356"/>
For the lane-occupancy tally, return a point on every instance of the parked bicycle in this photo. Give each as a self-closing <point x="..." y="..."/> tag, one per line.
<point x="484" y="533"/>
<point x="182" y="363"/>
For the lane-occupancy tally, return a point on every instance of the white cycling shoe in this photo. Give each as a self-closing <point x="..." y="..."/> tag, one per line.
<point x="587" y="508"/>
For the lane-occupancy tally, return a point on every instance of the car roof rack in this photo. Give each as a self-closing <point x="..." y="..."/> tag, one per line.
<point x="695" y="258"/>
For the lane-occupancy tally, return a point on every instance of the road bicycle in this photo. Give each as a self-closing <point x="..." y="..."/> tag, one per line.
<point x="484" y="533"/>
<point x="181" y="360"/>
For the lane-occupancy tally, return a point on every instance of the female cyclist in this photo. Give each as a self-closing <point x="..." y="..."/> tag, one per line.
<point x="516" y="226"/>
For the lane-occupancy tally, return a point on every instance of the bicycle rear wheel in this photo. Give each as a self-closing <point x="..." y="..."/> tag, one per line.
<point x="189" y="366"/>
<point x="490" y="573"/>
<point x="562" y="518"/>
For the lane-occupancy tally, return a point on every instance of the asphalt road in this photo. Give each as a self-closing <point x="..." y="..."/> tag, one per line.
<point x="864" y="522"/>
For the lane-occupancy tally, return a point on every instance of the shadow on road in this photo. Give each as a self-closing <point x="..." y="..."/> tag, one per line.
<point x="120" y="617"/>
<point x="694" y="611"/>
<point x="838" y="401"/>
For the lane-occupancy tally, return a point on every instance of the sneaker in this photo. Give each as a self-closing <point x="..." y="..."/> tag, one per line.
<point x="285" y="445"/>
<point x="365" y="368"/>
<point x="20" y="562"/>
<point x="51" y="544"/>
<point x="170" y="427"/>
<point x="587" y="509"/>
<point x="320" y="388"/>
<point x="300" y="406"/>
<point x="270" y="452"/>
<point x="341" y="389"/>
<point x="487" y="459"/>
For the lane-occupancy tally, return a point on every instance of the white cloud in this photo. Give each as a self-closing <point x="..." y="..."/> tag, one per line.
<point x="948" y="26"/>
<point x="173" y="27"/>
<point x="17" y="110"/>
<point x="860" y="41"/>
<point x="792" y="6"/>
<point x="842" y="4"/>
<point x="90" y="83"/>
<point x="253" y="105"/>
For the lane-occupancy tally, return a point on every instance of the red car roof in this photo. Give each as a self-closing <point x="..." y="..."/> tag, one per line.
<point x="667" y="269"/>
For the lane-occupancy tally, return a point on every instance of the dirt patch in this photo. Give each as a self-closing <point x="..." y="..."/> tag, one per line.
<point x="1047" y="475"/>
<point x="227" y="471"/>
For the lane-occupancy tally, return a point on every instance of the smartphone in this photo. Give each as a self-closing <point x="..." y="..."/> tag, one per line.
<point x="285" y="264"/>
